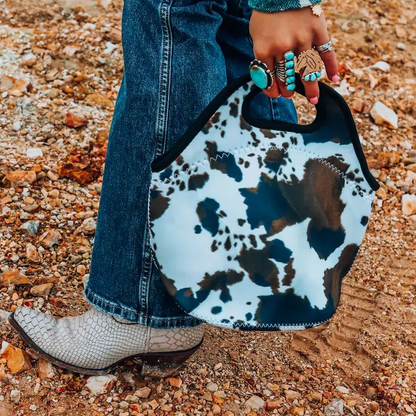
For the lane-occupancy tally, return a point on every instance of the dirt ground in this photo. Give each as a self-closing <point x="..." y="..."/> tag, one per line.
<point x="60" y="70"/>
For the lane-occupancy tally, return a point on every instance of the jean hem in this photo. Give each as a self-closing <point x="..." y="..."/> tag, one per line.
<point x="130" y="314"/>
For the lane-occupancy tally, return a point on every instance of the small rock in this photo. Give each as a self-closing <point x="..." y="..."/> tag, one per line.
<point x="335" y="408"/>
<point x="33" y="407"/>
<point x="124" y="405"/>
<point x="32" y="253"/>
<point x="99" y="99"/>
<point x="50" y="238"/>
<point x="74" y="121"/>
<point x="29" y="59"/>
<point x="207" y="396"/>
<point x="4" y="316"/>
<point x="17" y="125"/>
<point x="30" y="227"/>
<point x="17" y="360"/>
<point x="45" y="369"/>
<point x="255" y="402"/>
<point x="272" y="405"/>
<point x="382" y="66"/>
<point x="13" y="277"/>
<point x="408" y="204"/>
<point x="175" y="382"/>
<point x="154" y="404"/>
<point x="359" y="105"/>
<point x="15" y="396"/>
<point x="41" y="290"/>
<point x="81" y="269"/>
<point x="212" y="387"/>
<point x="101" y="384"/>
<point x="216" y="409"/>
<point x="343" y="389"/>
<point x="401" y="46"/>
<point x="30" y="207"/>
<point x="71" y="50"/>
<point x="292" y="395"/>
<point x="34" y="152"/>
<point x="105" y="4"/>
<point x="85" y="279"/>
<point x="400" y="32"/>
<point x="88" y="226"/>
<point x="143" y="393"/>
<point x="21" y="178"/>
<point x="374" y="406"/>
<point x="384" y="116"/>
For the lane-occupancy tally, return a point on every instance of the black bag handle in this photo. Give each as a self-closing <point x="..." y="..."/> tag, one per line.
<point x="333" y="121"/>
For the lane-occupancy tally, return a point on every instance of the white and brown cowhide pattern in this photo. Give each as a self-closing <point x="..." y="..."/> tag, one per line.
<point x="255" y="228"/>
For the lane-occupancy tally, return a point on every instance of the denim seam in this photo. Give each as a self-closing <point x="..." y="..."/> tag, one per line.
<point x="165" y="77"/>
<point x="127" y="313"/>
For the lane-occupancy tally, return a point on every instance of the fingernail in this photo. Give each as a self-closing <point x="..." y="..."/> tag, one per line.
<point x="314" y="100"/>
<point x="334" y="78"/>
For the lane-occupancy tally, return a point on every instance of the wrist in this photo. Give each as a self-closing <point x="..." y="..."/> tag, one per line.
<point x="271" y="6"/>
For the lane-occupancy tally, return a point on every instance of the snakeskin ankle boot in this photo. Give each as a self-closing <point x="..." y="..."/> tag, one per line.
<point x="95" y="342"/>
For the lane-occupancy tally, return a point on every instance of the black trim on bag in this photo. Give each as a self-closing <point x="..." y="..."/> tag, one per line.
<point x="163" y="161"/>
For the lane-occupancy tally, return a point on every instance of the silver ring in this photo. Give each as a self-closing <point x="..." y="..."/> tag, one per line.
<point x="326" y="47"/>
<point x="285" y="70"/>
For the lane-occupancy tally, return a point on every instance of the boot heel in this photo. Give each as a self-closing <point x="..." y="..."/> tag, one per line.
<point x="160" y="365"/>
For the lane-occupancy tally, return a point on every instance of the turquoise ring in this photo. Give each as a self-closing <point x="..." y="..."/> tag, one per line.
<point x="285" y="70"/>
<point x="261" y="74"/>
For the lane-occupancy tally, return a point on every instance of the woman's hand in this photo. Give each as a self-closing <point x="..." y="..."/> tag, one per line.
<point x="297" y="30"/>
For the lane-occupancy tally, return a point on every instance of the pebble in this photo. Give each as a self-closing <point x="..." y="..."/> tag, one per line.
<point x="101" y="384"/>
<point x="41" y="290"/>
<point x="212" y="387"/>
<point x="4" y="316"/>
<point x="216" y="409"/>
<point x="17" y="360"/>
<point x="382" y="66"/>
<point x="34" y="152"/>
<point x="384" y="116"/>
<point x="401" y="46"/>
<point x="143" y="393"/>
<point x="408" y="204"/>
<point x="335" y="408"/>
<point x="175" y="382"/>
<point x="21" y="178"/>
<point x="292" y="395"/>
<point x="255" y="402"/>
<point x="29" y="59"/>
<point x="45" y="369"/>
<point x="32" y="253"/>
<point x="88" y="226"/>
<point x="50" y="238"/>
<point x="30" y="227"/>
<point x="15" y="396"/>
<point x="343" y="389"/>
<point x="272" y="405"/>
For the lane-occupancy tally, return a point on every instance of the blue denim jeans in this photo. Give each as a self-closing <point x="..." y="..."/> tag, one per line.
<point x="178" y="55"/>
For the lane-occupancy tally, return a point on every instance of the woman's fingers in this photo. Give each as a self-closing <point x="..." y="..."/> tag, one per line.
<point x="311" y="87"/>
<point x="329" y="58"/>
<point x="331" y="65"/>
<point x="268" y="59"/>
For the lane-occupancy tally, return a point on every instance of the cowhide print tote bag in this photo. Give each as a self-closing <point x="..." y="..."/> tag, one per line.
<point x="253" y="222"/>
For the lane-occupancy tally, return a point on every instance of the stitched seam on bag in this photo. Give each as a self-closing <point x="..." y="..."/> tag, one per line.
<point x="232" y="326"/>
<point x="240" y="325"/>
<point x="349" y="182"/>
<point x="277" y="325"/>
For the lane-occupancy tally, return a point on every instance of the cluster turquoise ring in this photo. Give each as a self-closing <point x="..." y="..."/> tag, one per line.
<point x="261" y="74"/>
<point x="285" y="70"/>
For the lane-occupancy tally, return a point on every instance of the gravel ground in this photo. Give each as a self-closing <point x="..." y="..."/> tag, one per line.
<point x="60" y="70"/>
